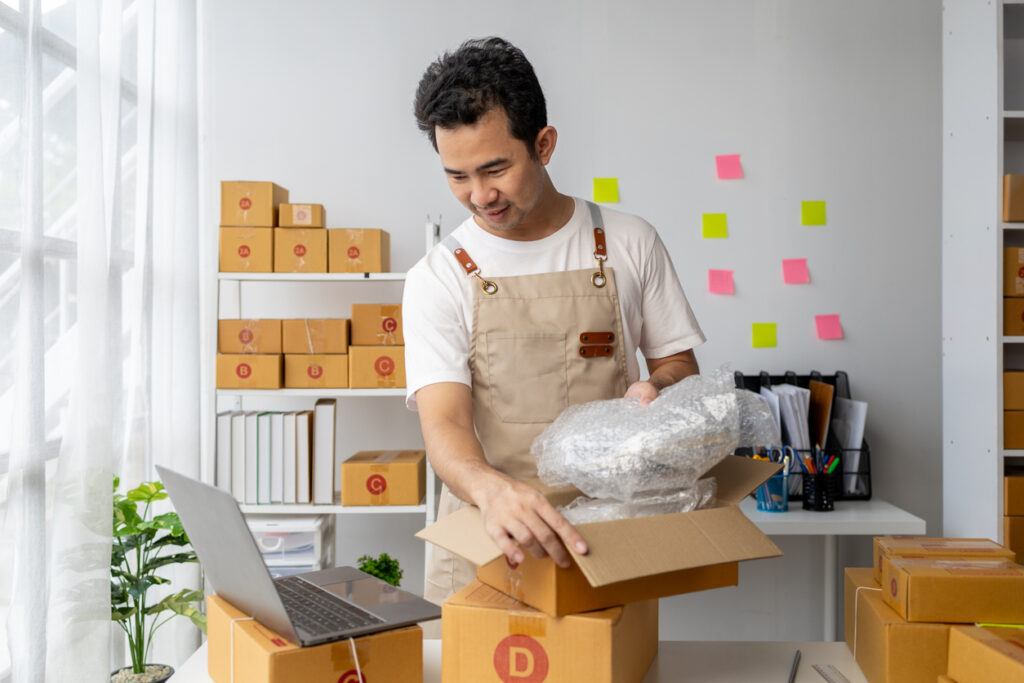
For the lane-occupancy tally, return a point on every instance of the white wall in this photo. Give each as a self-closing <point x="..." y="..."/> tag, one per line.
<point x="824" y="100"/>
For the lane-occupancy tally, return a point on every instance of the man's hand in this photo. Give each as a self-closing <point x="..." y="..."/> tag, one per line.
<point x="644" y="392"/>
<point x="664" y="372"/>
<point x="517" y="516"/>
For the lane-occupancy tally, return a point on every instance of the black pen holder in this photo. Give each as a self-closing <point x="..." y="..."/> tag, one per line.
<point x="820" y="491"/>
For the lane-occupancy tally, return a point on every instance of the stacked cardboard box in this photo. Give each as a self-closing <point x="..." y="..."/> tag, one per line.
<point x="1013" y="324"/>
<point x="248" y="214"/>
<point x="300" y="239"/>
<point x="597" y="619"/>
<point x="384" y="478"/>
<point x="358" y="250"/>
<point x="985" y="654"/>
<point x="377" y="353"/>
<point x="1013" y="509"/>
<point x="249" y="354"/>
<point x="316" y="353"/>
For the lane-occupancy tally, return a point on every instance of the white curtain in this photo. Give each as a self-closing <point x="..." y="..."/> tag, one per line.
<point x="103" y="360"/>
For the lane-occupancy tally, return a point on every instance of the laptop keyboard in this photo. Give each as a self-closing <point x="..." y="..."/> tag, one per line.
<point x="317" y="611"/>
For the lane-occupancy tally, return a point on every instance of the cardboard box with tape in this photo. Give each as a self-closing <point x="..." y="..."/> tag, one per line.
<point x="1013" y="536"/>
<point x="1013" y="316"/>
<point x="315" y="371"/>
<point x="246" y="250"/>
<point x="490" y="636"/>
<point x="301" y="216"/>
<point x="1013" y="429"/>
<point x="1013" y="198"/>
<point x="250" y="203"/>
<point x="922" y="547"/>
<point x="308" y="335"/>
<point x="1013" y="493"/>
<point x="377" y="325"/>
<point x="249" y="371"/>
<point x="357" y="250"/>
<point x="300" y="250"/>
<point x="249" y="336"/>
<point x="986" y="654"/>
<point x="960" y="590"/>
<point x="384" y="478"/>
<point x="255" y="654"/>
<point x="628" y="559"/>
<point x="376" y="367"/>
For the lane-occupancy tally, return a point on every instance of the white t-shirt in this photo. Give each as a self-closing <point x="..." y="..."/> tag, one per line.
<point x="437" y="305"/>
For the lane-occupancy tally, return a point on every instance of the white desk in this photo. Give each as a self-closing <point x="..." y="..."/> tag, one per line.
<point x="850" y="518"/>
<point x="708" y="662"/>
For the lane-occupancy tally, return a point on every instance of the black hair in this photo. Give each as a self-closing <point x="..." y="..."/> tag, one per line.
<point x="489" y="73"/>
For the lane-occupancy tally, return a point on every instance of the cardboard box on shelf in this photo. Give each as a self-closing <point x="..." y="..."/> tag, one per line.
<point x="958" y="590"/>
<point x="1013" y="198"/>
<point x="244" y="202"/>
<point x="315" y="371"/>
<point x="921" y="546"/>
<point x="489" y="636"/>
<point x="611" y="575"/>
<point x="1013" y="390"/>
<point x="943" y="678"/>
<point x="1013" y="316"/>
<point x="248" y="371"/>
<point x="986" y="654"/>
<point x="246" y="250"/>
<point x="376" y="367"/>
<point x="384" y="478"/>
<point x="256" y="654"/>
<point x="301" y="216"/>
<point x="309" y="335"/>
<point x="377" y="325"/>
<point x="357" y="250"/>
<point x="300" y="250"/>
<point x="1013" y="494"/>
<point x="1013" y="536"/>
<point x="1013" y="429"/>
<point x="1013" y="271"/>
<point x="249" y="336"/>
<point x="888" y="648"/>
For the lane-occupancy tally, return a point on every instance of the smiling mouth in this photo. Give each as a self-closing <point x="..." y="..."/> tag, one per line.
<point x="496" y="214"/>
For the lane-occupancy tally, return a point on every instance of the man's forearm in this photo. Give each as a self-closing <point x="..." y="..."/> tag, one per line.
<point x="458" y="458"/>
<point x="674" y="369"/>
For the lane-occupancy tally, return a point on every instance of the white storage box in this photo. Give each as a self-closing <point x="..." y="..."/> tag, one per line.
<point x="293" y="540"/>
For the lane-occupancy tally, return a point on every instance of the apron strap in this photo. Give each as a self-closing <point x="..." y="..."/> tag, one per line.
<point x="598" y="279"/>
<point x="468" y="264"/>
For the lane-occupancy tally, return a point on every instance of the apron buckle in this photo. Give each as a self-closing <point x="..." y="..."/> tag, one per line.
<point x="489" y="286"/>
<point x="599" y="279"/>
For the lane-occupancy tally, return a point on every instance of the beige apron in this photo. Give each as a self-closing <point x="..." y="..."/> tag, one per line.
<point x="540" y="343"/>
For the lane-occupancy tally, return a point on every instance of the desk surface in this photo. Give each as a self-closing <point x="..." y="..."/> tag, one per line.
<point x="707" y="662"/>
<point x="850" y="518"/>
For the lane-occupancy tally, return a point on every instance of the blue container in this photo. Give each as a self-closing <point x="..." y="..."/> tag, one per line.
<point x="773" y="495"/>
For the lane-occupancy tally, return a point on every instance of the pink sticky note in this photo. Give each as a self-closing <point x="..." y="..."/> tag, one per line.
<point x="720" y="282"/>
<point x="729" y="167"/>
<point x="794" y="271"/>
<point x="828" y="326"/>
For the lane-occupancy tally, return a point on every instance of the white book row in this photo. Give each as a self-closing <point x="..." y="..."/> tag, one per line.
<point x="270" y="457"/>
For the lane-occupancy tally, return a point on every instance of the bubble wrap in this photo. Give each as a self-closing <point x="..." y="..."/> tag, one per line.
<point x="583" y="510"/>
<point x="621" y="449"/>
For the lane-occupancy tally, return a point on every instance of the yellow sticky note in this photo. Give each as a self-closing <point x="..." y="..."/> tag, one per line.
<point x="606" y="190"/>
<point x="812" y="213"/>
<point x="764" y="335"/>
<point x="713" y="225"/>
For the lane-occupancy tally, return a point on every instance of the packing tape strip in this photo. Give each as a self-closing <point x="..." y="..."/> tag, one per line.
<point x="355" y="658"/>
<point x="231" y="648"/>
<point x="309" y="336"/>
<point x="856" y="606"/>
<point x="386" y="457"/>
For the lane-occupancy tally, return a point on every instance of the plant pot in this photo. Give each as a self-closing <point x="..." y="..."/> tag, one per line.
<point x="125" y="675"/>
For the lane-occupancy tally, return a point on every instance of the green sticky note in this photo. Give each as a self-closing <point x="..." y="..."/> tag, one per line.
<point x="812" y="213"/>
<point x="713" y="225"/>
<point x="764" y="335"/>
<point x="606" y="190"/>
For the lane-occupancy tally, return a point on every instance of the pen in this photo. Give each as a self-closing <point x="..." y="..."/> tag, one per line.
<point x="832" y="467"/>
<point x="796" y="664"/>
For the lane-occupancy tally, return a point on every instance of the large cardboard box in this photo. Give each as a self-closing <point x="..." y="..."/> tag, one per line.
<point x="306" y="335"/>
<point x="1013" y="390"/>
<point x="986" y="654"/>
<point x="377" y="325"/>
<point x="384" y="478"/>
<point x="628" y="559"/>
<point x="246" y="250"/>
<point x="1013" y="316"/>
<point x="1013" y="198"/>
<point x="490" y="636"/>
<point x="301" y="216"/>
<point x="888" y="648"/>
<point x="249" y="336"/>
<point x="1013" y="536"/>
<point x="315" y="371"/>
<point x="376" y="367"/>
<point x="248" y="371"/>
<point x="960" y="590"/>
<point x="1013" y="271"/>
<point x="355" y="250"/>
<point x="300" y="250"/>
<point x="1013" y="494"/>
<point x="1013" y="429"/>
<point x="920" y="546"/>
<point x="259" y="655"/>
<point x="250" y="203"/>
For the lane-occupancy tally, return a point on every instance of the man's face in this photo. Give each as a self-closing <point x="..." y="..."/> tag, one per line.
<point x="491" y="172"/>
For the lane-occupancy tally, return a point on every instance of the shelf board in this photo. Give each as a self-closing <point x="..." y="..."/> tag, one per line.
<point x="1013" y="226"/>
<point x="317" y="393"/>
<point x="1011" y="453"/>
<point x="295" y="509"/>
<point x="1013" y="340"/>
<point x="310" y="277"/>
<point x="1013" y="114"/>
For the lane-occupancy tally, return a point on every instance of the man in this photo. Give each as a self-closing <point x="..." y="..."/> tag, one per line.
<point x="537" y="301"/>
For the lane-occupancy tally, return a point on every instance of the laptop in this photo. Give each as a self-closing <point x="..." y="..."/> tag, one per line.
<point x="308" y="609"/>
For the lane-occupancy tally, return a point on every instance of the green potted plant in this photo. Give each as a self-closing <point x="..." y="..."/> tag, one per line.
<point x="384" y="568"/>
<point x="142" y="546"/>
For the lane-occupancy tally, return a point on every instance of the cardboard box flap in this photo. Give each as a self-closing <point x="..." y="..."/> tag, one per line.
<point x="645" y="546"/>
<point x="462" y="533"/>
<point x="738" y="477"/>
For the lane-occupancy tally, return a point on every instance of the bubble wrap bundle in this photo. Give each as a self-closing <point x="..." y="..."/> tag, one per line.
<point x="583" y="510"/>
<point x="621" y="449"/>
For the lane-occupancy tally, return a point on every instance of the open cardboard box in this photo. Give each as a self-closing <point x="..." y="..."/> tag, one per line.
<point x="629" y="559"/>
